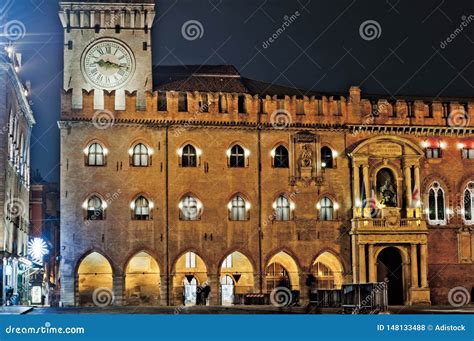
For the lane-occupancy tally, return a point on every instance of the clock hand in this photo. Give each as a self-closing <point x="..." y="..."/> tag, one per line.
<point x="109" y="65"/>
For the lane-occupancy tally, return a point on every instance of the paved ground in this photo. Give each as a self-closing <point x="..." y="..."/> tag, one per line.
<point x="15" y="310"/>
<point x="244" y="310"/>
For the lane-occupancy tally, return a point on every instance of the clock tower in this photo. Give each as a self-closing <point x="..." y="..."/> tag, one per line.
<point x="107" y="47"/>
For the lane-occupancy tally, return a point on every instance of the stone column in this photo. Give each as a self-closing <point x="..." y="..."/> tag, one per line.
<point x="365" y="173"/>
<point x="4" y="278"/>
<point x="371" y="260"/>
<point x="215" y="294"/>
<point x="354" y="259"/>
<point x="362" y="270"/>
<point x="423" y="265"/>
<point x="164" y="289"/>
<point x="414" y="267"/>
<point x="304" y="289"/>
<point x="418" y="186"/>
<point x="118" y="288"/>
<point x="408" y="192"/>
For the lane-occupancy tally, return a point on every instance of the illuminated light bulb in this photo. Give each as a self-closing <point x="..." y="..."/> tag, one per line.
<point x="424" y="144"/>
<point x="318" y="206"/>
<point x="106" y="151"/>
<point x="323" y="164"/>
<point x="198" y="152"/>
<point x="130" y="151"/>
<point x="199" y="205"/>
<point x="229" y="205"/>
<point x="37" y="249"/>
<point x="151" y="151"/>
<point x="180" y="152"/>
<point x="180" y="205"/>
<point x="274" y="205"/>
<point x="358" y="203"/>
<point x="86" y="151"/>
<point x="247" y="206"/>
<point x="132" y="205"/>
<point x="272" y="153"/>
<point x="84" y="205"/>
<point x="336" y="206"/>
<point x="460" y="145"/>
<point x="247" y="152"/>
<point x="418" y="203"/>
<point x="151" y="205"/>
<point x="292" y="206"/>
<point x="104" y="205"/>
<point x="335" y="153"/>
<point x="443" y="145"/>
<point x="227" y="152"/>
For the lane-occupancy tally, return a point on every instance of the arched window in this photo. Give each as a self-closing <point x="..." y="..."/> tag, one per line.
<point x="189" y="156"/>
<point x="469" y="203"/>
<point x="282" y="208"/>
<point x="324" y="276"/>
<point x="141" y="208"/>
<point x="237" y="157"/>
<point x="326" y="157"/>
<point x="95" y="155"/>
<point x="140" y="156"/>
<point x="280" y="158"/>
<point x="190" y="208"/>
<point x="95" y="208"/>
<point x="326" y="209"/>
<point x="238" y="209"/>
<point x="436" y="205"/>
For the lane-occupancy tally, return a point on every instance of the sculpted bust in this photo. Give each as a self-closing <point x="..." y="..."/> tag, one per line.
<point x="306" y="158"/>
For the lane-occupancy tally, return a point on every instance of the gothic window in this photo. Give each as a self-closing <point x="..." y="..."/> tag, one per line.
<point x="189" y="156"/>
<point x="237" y="157"/>
<point x="238" y="209"/>
<point x="433" y="152"/>
<point x="282" y="208"/>
<point x="95" y="208"/>
<point x="227" y="263"/>
<point x="280" y="158"/>
<point x="467" y="153"/>
<point x="141" y="208"/>
<point x="436" y="205"/>
<point x="326" y="157"/>
<point x="183" y="102"/>
<point x="277" y="277"/>
<point x="140" y="156"/>
<point x="162" y="101"/>
<point x="95" y="155"/>
<point x="190" y="208"/>
<point x="324" y="276"/>
<point x="326" y="209"/>
<point x="469" y="203"/>
<point x="190" y="260"/>
<point x="242" y="104"/>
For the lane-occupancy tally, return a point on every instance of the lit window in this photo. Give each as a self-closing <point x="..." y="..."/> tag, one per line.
<point x="227" y="262"/>
<point x="469" y="203"/>
<point x="237" y="157"/>
<point x="190" y="208"/>
<point x="189" y="156"/>
<point x="281" y="159"/>
<point x="282" y="208"/>
<point x="95" y="155"/>
<point x="238" y="210"/>
<point x="326" y="209"/>
<point x="436" y="205"/>
<point x="190" y="260"/>
<point x="95" y="210"/>
<point x="326" y="157"/>
<point x="324" y="276"/>
<point x="467" y="153"/>
<point x="140" y="156"/>
<point x="141" y="209"/>
<point x="433" y="153"/>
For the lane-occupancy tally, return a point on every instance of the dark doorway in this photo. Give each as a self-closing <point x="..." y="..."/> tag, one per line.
<point x="390" y="269"/>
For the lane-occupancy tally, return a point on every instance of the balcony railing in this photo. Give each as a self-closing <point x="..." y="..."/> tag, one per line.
<point x="381" y="224"/>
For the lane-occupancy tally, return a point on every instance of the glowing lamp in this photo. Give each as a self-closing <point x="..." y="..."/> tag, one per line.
<point x="443" y="144"/>
<point x="424" y="144"/>
<point x="336" y="206"/>
<point x="104" y="205"/>
<point x="132" y="205"/>
<point x="292" y="206"/>
<point x="130" y="151"/>
<point x="323" y="164"/>
<point x="84" y="205"/>
<point x="247" y="206"/>
<point x="272" y="153"/>
<point x="318" y="206"/>
<point x="198" y="152"/>
<point x="37" y="249"/>
<point x="151" y="205"/>
<point x="335" y="153"/>
<point x="180" y="152"/>
<point x="106" y="151"/>
<point x="229" y="205"/>
<point x="460" y="145"/>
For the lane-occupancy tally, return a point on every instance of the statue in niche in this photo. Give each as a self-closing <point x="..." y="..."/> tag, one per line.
<point x="306" y="158"/>
<point x="388" y="194"/>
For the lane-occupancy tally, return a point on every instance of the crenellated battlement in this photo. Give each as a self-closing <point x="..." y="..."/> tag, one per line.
<point x="354" y="109"/>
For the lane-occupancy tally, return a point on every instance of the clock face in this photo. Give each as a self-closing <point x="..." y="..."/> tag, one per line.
<point x="108" y="64"/>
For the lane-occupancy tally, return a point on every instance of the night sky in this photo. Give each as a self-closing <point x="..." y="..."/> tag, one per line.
<point x="321" y="50"/>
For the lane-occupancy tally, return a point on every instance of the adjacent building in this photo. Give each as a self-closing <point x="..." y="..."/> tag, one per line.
<point x="178" y="177"/>
<point x="16" y="122"/>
